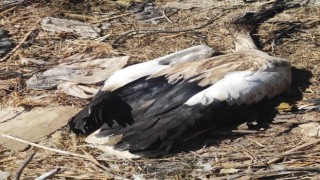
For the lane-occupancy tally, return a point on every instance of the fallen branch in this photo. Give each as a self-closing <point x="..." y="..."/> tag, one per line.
<point x="271" y="161"/>
<point x="23" y="165"/>
<point x="26" y="37"/>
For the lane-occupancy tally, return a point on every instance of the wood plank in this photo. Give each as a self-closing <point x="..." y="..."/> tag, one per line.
<point x="9" y="113"/>
<point x="35" y="124"/>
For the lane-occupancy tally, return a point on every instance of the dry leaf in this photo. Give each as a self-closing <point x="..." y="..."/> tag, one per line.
<point x="284" y="107"/>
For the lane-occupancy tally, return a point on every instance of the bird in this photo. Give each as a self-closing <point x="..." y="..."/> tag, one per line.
<point x="201" y="94"/>
<point x="152" y="113"/>
<point x="176" y="102"/>
<point x="100" y="111"/>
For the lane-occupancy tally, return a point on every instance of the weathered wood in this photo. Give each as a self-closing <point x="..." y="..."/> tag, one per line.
<point x="64" y="25"/>
<point x="35" y="124"/>
<point x="80" y="68"/>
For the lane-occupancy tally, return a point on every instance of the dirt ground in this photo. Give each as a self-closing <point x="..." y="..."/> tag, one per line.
<point x="280" y="149"/>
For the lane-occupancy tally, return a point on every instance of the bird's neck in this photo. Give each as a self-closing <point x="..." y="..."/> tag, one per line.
<point x="244" y="41"/>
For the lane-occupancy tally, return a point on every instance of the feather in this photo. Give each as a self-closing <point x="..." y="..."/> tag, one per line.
<point x="137" y="71"/>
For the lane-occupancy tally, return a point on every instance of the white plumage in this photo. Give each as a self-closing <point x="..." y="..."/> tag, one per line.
<point x="247" y="87"/>
<point x="134" y="72"/>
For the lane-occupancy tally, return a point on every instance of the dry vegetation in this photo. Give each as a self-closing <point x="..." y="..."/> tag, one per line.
<point x="293" y="34"/>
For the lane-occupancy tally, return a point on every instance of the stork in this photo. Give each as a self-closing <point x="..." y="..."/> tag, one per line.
<point x="149" y="114"/>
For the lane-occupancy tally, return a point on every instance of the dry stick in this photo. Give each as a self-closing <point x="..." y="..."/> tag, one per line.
<point x="10" y="6"/>
<point x="259" y="144"/>
<point x="7" y="11"/>
<point x="92" y="159"/>
<point x="293" y="150"/>
<point x="18" y="46"/>
<point x="80" y="16"/>
<point x="48" y="174"/>
<point x="43" y="147"/>
<point x="243" y="131"/>
<point x="165" y="15"/>
<point x="113" y="17"/>
<point x="23" y="165"/>
<point x="115" y="43"/>
<point x="89" y="158"/>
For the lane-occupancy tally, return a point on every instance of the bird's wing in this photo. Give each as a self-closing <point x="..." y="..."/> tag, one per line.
<point x="130" y="90"/>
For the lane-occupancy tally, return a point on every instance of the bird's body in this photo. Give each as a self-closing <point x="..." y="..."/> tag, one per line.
<point x="179" y="101"/>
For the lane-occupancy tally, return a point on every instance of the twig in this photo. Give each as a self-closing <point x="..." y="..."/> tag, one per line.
<point x="23" y="165"/>
<point x="26" y="37"/>
<point x="114" y="17"/>
<point x="259" y="144"/>
<point x="10" y="6"/>
<point x="243" y="131"/>
<point x="241" y="166"/>
<point x="165" y="15"/>
<point x="103" y="38"/>
<point x="80" y="16"/>
<point x="48" y="174"/>
<point x="92" y="159"/>
<point x="43" y="147"/>
<point x="87" y="157"/>
<point x="293" y="150"/>
<point x="125" y="35"/>
<point x="7" y="11"/>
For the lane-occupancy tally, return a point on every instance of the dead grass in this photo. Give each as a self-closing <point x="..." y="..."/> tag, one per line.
<point x="244" y="153"/>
